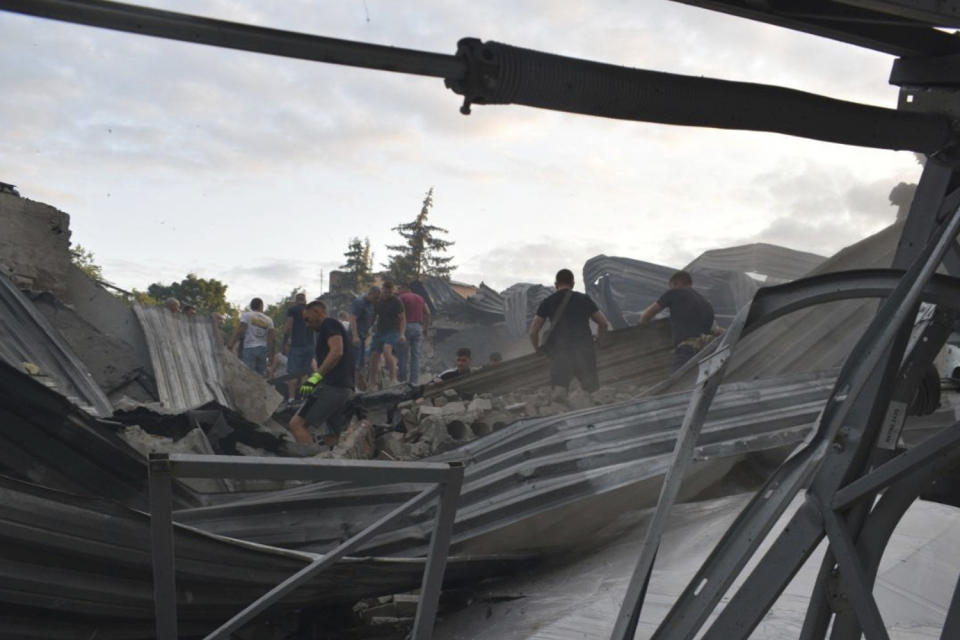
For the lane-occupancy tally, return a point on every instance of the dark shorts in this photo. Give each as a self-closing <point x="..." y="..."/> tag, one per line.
<point x="391" y="338"/>
<point x="681" y="354"/>
<point x="299" y="358"/>
<point x="327" y="409"/>
<point x="577" y="362"/>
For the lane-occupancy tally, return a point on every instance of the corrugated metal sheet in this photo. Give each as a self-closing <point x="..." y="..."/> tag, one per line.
<point x="70" y="563"/>
<point x="487" y="303"/>
<point x="27" y="337"/>
<point x="186" y="356"/>
<point x="641" y="355"/>
<point x="520" y="303"/>
<point x="779" y="264"/>
<point x="47" y="440"/>
<point x="525" y="479"/>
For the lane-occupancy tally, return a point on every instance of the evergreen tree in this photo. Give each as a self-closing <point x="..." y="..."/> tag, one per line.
<point x="421" y="253"/>
<point x="359" y="264"/>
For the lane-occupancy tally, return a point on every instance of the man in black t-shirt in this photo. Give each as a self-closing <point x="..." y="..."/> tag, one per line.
<point x="390" y="331"/>
<point x="569" y="345"/>
<point x="329" y="388"/>
<point x="691" y="317"/>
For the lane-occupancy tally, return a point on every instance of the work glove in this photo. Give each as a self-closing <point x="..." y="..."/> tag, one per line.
<point x="308" y="385"/>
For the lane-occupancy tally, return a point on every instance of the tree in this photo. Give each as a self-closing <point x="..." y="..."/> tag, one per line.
<point x="278" y="310"/>
<point x="207" y="295"/>
<point x="84" y="259"/>
<point x="359" y="265"/>
<point x="420" y="255"/>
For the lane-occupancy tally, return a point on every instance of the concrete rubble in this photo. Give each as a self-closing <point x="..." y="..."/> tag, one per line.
<point x="102" y="384"/>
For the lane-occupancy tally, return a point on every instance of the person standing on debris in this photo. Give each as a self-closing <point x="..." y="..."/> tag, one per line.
<point x="362" y="311"/>
<point x="329" y="389"/>
<point x="297" y="344"/>
<point x="257" y="336"/>
<point x="691" y="317"/>
<point x="172" y="305"/>
<point x="418" y="327"/>
<point x="464" y="366"/>
<point x="569" y="343"/>
<point x="391" y="324"/>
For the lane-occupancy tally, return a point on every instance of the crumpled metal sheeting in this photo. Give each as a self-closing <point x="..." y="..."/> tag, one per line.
<point x="619" y="285"/>
<point x="524" y="485"/>
<point x="520" y="302"/>
<point x="639" y="355"/>
<point x="579" y="598"/>
<point x="185" y="354"/>
<point x="779" y="264"/>
<point x="46" y="439"/>
<point x="27" y="337"/>
<point x="88" y="561"/>
<point x="488" y="303"/>
<point x="439" y="295"/>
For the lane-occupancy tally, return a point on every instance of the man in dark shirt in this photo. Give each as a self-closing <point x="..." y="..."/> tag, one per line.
<point x="330" y="388"/>
<point x="361" y="319"/>
<point x="691" y="317"/>
<point x="391" y="327"/>
<point x="297" y="345"/>
<point x="569" y="345"/>
<point x="464" y="366"/>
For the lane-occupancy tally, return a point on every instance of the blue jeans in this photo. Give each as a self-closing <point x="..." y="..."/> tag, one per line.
<point x="409" y="354"/>
<point x="256" y="359"/>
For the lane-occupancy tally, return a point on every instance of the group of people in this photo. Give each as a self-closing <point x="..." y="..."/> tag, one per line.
<point x="568" y="339"/>
<point x="325" y="356"/>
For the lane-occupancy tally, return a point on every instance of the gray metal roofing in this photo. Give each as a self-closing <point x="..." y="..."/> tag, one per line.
<point x="778" y="263"/>
<point x="536" y="472"/>
<point x="27" y="337"/>
<point x="186" y="356"/>
<point x="72" y="562"/>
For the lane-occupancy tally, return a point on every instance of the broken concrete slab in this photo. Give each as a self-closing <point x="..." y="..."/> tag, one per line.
<point x="35" y="244"/>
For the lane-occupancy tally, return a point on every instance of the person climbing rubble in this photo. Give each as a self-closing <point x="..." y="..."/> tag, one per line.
<point x="256" y="336"/>
<point x="691" y="317"/>
<point x="297" y="344"/>
<point x="569" y="341"/>
<point x="362" y="312"/>
<point x="329" y="389"/>
<point x="418" y="328"/>
<point x="464" y="366"/>
<point x="390" y="331"/>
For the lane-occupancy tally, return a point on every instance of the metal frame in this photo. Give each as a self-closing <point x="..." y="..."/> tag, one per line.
<point x="445" y="480"/>
<point x="842" y="466"/>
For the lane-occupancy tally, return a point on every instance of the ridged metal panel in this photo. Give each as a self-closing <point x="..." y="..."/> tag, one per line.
<point x="779" y="264"/>
<point x="540" y="471"/>
<point x="27" y="337"/>
<point x="185" y="353"/>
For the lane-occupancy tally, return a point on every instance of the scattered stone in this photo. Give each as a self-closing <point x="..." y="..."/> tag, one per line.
<point x="451" y="394"/>
<point x="480" y="404"/>
<point x="357" y="442"/>
<point x="393" y="446"/>
<point x="516" y="406"/>
<point x="453" y="408"/>
<point x="579" y="400"/>
<point x="427" y="410"/>
<point x="440" y="401"/>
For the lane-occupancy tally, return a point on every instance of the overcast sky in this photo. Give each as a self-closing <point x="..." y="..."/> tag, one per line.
<point x="173" y="158"/>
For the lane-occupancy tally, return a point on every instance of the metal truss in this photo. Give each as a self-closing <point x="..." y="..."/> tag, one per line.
<point x="445" y="480"/>
<point x="850" y="458"/>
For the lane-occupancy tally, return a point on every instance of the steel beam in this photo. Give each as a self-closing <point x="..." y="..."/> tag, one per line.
<point x="365" y="472"/>
<point x="221" y="33"/>
<point x="225" y="631"/>
<point x="437" y="555"/>
<point x="161" y="546"/>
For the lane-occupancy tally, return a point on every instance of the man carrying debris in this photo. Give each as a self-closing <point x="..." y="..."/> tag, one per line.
<point x="691" y="317"/>
<point x="299" y="340"/>
<point x="329" y="388"/>
<point x="391" y="325"/>
<point x="256" y="332"/>
<point x="362" y="311"/>
<point x="569" y="343"/>
<point x="418" y="327"/>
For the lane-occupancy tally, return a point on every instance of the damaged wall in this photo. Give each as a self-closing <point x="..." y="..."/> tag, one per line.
<point x="35" y="243"/>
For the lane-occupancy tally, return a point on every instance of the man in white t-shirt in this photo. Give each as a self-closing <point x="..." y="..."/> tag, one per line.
<point x="256" y="332"/>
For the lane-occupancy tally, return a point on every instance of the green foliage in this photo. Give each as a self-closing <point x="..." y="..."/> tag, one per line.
<point x="421" y="253"/>
<point x="359" y="265"/>
<point x="207" y="295"/>
<point x="84" y="259"/>
<point x="278" y="310"/>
